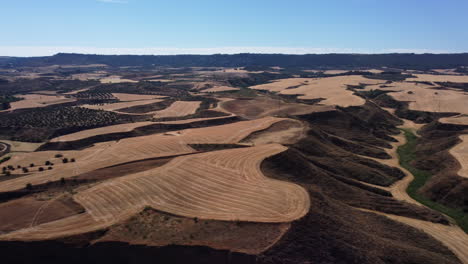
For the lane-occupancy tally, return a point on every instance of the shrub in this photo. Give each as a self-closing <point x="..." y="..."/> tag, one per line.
<point x="65" y="160"/>
<point x="25" y="170"/>
<point x="58" y="155"/>
<point x="72" y="160"/>
<point x="49" y="168"/>
<point x="31" y="165"/>
<point x="47" y="163"/>
<point x="41" y="169"/>
<point x="29" y="186"/>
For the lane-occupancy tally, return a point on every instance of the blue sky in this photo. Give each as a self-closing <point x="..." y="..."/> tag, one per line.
<point x="44" y="27"/>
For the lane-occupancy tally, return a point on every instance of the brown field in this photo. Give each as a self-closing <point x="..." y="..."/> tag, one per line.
<point x="100" y="131"/>
<point x="177" y="109"/>
<point x="264" y="106"/>
<point x="460" y="152"/>
<point x="126" y="150"/>
<point x="456" y="120"/>
<point x="188" y="186"/>
<point x="121" y="105"/>
<point x="124" y="97"/>
<point x="115" y="79"/>
<point x="38" y="100"/>
<point x="332" y="90"/>
<point x="440" y="78"/>
<point x="18" y="146"/>
<point x="220" y="89"/>
<point x="425" y="97"/>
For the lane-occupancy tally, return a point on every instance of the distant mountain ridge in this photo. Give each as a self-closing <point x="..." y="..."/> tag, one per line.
<point x="392" y="60"/>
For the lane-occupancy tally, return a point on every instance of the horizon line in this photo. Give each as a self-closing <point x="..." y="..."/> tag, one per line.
<point x="44" y="51"/>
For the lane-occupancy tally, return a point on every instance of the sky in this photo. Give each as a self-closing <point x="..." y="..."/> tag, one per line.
<point x="46" y="27"/>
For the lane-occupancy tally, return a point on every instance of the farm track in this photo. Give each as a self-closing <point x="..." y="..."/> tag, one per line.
<point x="221" y="185"/>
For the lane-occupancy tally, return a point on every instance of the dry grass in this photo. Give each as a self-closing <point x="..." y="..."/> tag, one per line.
<point x="222" y="185"/>
<point x="460" y="152"/>
<point x="38" y="100"/>
<point x="178" y="109"/>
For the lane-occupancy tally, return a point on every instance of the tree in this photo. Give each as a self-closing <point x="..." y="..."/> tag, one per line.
<point x="41" y="169"/>
<point x="49" y="168"/>
<point x="62" y="181"/>
<point x="47" y="163"/>
<point x="58" y="155"/>
<point x="65" y="160"/>
<point x="72" y="160"/>
<point x="31" y="165"/>
<point x="25" y="170"/>
<point x="29" y="186"/>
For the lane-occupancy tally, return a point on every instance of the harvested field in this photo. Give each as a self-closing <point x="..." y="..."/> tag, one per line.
<point x="440" y="78"/>
<point x="178" y="109"/>
<point x="121" y="105"/>
<point x="456" y="120"/>
<point x="460" y="152"/>
<point x="331" y="90"/>
<point x="284" y="132"/>
<point x="124" y="97"/>
<point x="128" y="150"/>
<point x="188" y="186"/>
<point x="18" y="146"/>
<point x="100" y="131"/>
<point x="335" y="72"/>
<point x="264" y="106"/>
<point x="115" y="79"/>
<point x="424" y="97"/>
<point x="220" y="89"/>
<point x="38" y="100"/>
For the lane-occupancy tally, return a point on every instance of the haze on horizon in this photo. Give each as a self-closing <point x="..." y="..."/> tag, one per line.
<point x="39" y="28"/>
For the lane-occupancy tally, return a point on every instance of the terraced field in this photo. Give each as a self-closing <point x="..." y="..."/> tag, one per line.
<point x="130" y="149"/>
<point x="190" y="186"/>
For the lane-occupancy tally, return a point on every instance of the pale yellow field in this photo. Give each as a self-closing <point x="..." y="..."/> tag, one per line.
<point x="440" y="78"/>
<point x="115" y="79"/>
<point x="135" y="97"/>
<point x="38" y="100"/>
<point x="177" y="109"/>
<point x="221" y="185"/>
<point x="220" y="89"/>
<point x="460" y="152"/>
<point x="332" y="89"/>
<point x="457" y="120"/>
<point x="18" y="146"/>
<point x="120" y="105"/>
<point x="100" y="131"/>
<point x="335" y="72"/>
<point x="130" y="149"/>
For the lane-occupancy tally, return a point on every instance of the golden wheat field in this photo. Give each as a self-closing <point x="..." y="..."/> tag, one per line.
<point x="177" y="109"/>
